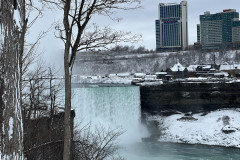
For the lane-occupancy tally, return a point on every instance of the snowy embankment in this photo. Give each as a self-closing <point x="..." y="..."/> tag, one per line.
<point x="101" y="80"/>
<point x="221" y="128"/>
<point x="115" y="79"/>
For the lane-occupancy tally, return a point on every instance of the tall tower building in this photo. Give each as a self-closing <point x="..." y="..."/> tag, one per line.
<point x="172" y="27"/>
<point x="236" y="33"/>
<point x="219" y="30"/>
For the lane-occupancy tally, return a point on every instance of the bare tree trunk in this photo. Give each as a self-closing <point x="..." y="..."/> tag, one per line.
<point x="11" y="115"/>
<point x="67" y="129"/>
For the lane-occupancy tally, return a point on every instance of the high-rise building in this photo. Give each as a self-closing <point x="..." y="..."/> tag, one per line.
<point x="219" y="30"/>
<point x="198" y="33"/>
<point x="172" y="27"/>
<point x="236" y="33"/>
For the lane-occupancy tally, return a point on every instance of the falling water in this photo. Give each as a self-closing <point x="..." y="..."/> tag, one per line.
<point x="108" y="105"/>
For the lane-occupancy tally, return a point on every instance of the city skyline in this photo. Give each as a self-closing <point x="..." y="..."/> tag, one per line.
<point x="150" y="13"/>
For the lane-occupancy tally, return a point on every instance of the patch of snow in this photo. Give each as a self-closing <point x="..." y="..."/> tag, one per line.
<point x="123" y="74"/>
<point x="112" y="75"/>
<point x="161" y="73"/>
<point x="205" y="130"/>
<point x="192" y="68"/>
<point x="16" y="16"/>
<point x="151" y="83"/>
<point x="229" y="67"/>
<point x="206" y="66"/>
<point x="197" y="79"/>
<point x="140" y="75"/>
<point x="10" y="131"/>
<point x="225" y="74"/>
<point x="150" y="77"/>
<point x="177" y="67"/>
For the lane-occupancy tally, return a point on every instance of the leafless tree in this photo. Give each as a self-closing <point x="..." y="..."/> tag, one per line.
<point x="40" y="93"/>
<point x="54" y="86"/>
<point x="34" y="87"/>
<point x="77" y="35"/>
<point x="99" y="145"/>
<point x="130" y="49"/>
<point x="29" y="50"/>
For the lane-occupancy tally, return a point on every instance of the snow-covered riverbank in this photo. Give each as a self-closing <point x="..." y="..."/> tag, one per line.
<point x="221" y="128"/>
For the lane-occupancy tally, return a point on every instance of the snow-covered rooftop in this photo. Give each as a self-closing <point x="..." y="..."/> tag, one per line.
<point x="161" y="73"/>
<point x="229" y="67"/>
<point x="192" y="68"/>
<point x="225" y="74"/>
<point x="177" y="67"/>
<point x="123" y="74"/>
<point x="206" y="66"/>
<point x="139" y="74"/>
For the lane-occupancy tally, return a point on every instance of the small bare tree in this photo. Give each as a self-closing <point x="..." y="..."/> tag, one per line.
<point x="99" y="145"/>
<point x="54" y="86"/>
<point x="40" y="93"/>
<point x="34" y="87"/>
<point x="77" y="35"/>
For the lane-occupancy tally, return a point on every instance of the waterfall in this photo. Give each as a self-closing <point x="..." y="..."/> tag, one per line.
<point x="114" y="106"/>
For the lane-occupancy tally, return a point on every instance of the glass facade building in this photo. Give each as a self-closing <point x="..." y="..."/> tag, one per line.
<point x="172" y="27"/>
<point x="198" y="33"/>
<point x="236" y="33"/>
<point x="216" y="30"/>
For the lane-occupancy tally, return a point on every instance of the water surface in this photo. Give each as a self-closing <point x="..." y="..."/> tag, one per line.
<point x="173" y="151"/>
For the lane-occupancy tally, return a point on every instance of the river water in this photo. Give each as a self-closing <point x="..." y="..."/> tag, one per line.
<point x="173" y="151"/>
<point x="119" y="106"/>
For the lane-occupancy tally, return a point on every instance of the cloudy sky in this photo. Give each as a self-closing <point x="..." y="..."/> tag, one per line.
<point x="141" y="21"/>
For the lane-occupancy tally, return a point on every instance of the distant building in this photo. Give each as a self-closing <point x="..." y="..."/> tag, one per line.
<point x="220" y="30"/>
<point x="231" y="69"/>
<point x="178" y="71"/>
<point x="236" y="33"/>
<point x="198" y="33"/>
<point x="160" y="75"/>
<point x="172" y="27"/>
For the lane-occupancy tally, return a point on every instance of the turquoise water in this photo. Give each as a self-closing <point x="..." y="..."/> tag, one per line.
<point x="172" y="151"/>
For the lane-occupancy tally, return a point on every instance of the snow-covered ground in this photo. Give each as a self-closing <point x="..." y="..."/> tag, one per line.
<point x="206" y="129"/>
<point x="116" y="79"/>
<point x="113" y="79"/>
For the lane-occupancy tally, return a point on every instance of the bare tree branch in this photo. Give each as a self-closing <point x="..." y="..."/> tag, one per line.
<point x="98" y="145"/>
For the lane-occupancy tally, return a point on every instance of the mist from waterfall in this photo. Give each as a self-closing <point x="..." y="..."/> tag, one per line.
<point x="117" y="107"/>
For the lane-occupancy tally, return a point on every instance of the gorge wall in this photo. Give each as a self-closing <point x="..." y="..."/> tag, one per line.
<point x="189" y="97"/>
<point x="107" y="63"/>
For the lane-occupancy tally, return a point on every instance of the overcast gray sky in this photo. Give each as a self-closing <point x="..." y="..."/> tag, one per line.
<point x="141" y="21"/>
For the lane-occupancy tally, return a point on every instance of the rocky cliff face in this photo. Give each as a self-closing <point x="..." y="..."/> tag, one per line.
<point x="189" y="97"/>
